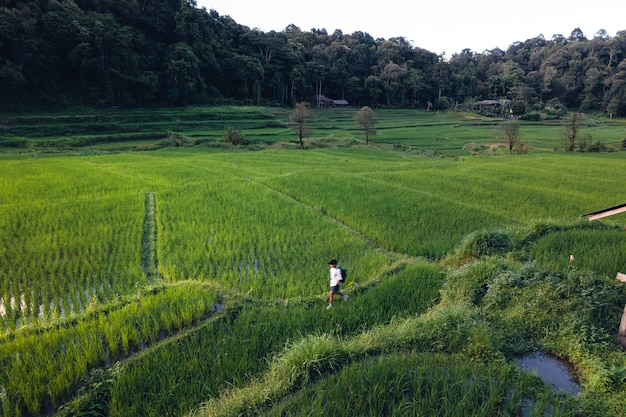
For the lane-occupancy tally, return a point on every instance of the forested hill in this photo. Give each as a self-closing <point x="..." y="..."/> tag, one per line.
<point x="170" y="52"/>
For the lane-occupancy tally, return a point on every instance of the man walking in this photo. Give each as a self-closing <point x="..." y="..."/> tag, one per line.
<point x="335" y="282"/>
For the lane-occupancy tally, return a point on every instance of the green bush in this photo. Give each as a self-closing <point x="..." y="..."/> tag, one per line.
<point x="518" y="107"/>
<point x="483" y="243"/>
<point x="233" y="136"/>
<point x="533" y="116"/>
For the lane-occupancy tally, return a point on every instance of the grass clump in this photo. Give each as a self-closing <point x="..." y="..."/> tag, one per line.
<point x="484" y="243"/>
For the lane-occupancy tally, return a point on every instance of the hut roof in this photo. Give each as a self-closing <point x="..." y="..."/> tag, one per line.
<point x="609" y="211"/>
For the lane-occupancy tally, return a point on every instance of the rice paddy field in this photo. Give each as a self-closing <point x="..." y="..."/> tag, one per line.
<point x="149" y="269"/>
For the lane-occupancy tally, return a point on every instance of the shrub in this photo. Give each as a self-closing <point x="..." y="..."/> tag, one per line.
<point x="533" y="116"/>
<point x="233" y="136"/>
<point x="484" y="242"/>
<point x="521" y="148"/>
<point x="175" y="139"/>
<point x="599" y="146"/>
<point x="518" y="107"/>
<point x="443" y="103"/>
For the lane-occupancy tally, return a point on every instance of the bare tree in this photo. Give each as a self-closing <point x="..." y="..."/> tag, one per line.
<point x="571" y="130"/>
<point x="299" y="118"/>
<point x="366" y="119"/>
<point x="511" y="131"/>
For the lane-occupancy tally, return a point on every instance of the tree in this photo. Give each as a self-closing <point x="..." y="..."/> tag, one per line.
<point x="511" y="130"/>
<point x="392" y="79"/>
<point x="366" y="119"/>
<point x="299" y="118"/>
<point x="244" y="76"/>
<point x="571" y="131"/>
<point x="183" y="77"/>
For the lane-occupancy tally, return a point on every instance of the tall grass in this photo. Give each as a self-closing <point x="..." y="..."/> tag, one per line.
<point x="417" y="385"/>
<point x="601" y="251"/>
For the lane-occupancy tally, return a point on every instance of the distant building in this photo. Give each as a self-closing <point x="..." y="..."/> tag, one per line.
<point x="322" y="100"/>
<point x="490" y="107"/>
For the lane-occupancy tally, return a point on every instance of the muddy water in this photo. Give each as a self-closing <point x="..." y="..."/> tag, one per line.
<point x="554" y="372"/>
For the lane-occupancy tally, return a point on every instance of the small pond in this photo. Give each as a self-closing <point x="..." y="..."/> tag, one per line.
<point x="554" y="372"/>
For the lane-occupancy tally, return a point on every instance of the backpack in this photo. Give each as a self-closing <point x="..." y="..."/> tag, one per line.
<point x="344" y="273"/>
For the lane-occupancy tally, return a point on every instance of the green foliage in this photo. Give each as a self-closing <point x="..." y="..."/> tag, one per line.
<point x="177" y="54"/>
<point x="470" y="283"/>
<point x="175" y="139"/>
<point x="20" y="143"/>
<point x="483" y="243"/>
<point x="234" y="137"/>
<point x="518" y="107"/>
<point x="366" y="120"/>
<point x="93" y="397"/>
<point x="533" y="116"/>
<point x="522" y="303"/>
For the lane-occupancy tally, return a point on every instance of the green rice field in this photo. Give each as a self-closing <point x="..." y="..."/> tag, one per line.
<point x="149" y="278"/>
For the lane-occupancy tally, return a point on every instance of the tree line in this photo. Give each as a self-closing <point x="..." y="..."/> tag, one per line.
<point x="170" y="52"/>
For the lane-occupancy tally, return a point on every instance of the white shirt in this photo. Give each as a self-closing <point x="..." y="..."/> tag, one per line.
<point x="335" y="276"/>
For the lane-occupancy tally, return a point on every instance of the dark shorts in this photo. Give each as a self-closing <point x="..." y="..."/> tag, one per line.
<point x="334" y="288"/>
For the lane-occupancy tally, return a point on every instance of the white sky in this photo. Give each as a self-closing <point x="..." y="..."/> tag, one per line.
<point x="437" y="25"/>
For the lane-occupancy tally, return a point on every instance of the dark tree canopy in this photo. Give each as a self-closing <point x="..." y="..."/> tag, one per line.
<point x="170" y="52"/>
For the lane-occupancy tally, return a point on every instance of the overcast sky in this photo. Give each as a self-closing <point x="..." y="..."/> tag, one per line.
<point x="437" y="25"/>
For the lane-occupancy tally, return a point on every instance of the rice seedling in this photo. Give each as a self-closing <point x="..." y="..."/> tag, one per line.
<point x="57" y="359"/>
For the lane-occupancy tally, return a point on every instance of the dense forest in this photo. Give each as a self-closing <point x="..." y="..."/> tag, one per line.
<point x="170" y="52"/>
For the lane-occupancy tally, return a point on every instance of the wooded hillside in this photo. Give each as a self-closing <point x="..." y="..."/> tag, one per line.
<point x="170" y="52"/>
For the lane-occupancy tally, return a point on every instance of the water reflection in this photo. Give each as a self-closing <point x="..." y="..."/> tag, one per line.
<point x="554" y="372"/>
